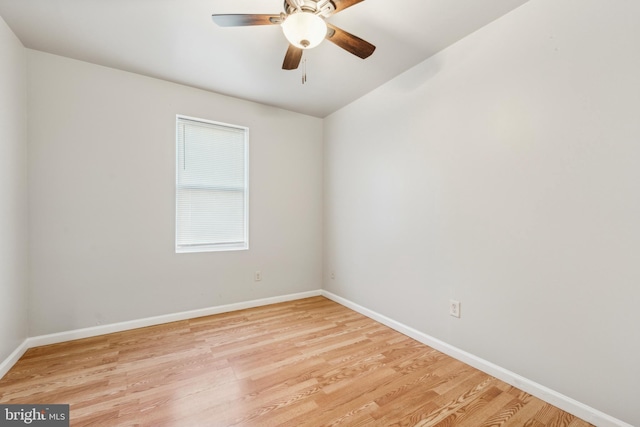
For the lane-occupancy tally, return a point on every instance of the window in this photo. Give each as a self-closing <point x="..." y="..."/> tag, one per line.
<point x="212" y="191"/>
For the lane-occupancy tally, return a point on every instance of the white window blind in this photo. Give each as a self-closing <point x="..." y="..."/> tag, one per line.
<point x="211" y="186"/>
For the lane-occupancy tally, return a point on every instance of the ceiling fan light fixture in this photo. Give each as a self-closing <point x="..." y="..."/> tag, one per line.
<point x="304" y="30"/>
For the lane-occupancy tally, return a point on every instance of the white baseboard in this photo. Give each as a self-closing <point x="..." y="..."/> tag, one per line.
<point x="158" y="320"/>
<point x="7" y="363"/>
<point x="141" y="323"/>
<point x="559" y="400"/>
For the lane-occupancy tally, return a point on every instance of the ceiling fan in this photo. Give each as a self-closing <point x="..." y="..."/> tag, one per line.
<point x="304" y="25"/>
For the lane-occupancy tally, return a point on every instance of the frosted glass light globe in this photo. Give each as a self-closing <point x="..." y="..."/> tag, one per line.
<point x="304" y="30"/>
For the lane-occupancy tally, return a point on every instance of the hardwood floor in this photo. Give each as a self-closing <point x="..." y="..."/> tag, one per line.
<point x="310" y="362"/>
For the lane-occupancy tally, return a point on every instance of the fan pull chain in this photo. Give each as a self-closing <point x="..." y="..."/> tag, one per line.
<point x="304" y="70"/>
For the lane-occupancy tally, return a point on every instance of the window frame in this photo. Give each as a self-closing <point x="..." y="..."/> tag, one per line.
<point x="211" y="247"/>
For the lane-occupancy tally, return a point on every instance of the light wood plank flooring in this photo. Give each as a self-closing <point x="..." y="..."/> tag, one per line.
<point x="310" y="362"/>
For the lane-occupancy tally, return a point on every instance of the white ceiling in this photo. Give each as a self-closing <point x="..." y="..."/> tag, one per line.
<point x="176" y="40"/>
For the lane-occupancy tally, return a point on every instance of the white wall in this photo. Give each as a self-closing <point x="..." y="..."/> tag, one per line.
<point x="13" y="193"/>
<point x="102" y="183"/>
<point x="504" y="172"/>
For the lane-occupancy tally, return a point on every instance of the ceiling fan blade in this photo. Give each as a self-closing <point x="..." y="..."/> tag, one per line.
<point x="292" y="58"/>
<point x="242" y="20"/>
<point x="343" y="4"/>
<point x="349" y="42"/>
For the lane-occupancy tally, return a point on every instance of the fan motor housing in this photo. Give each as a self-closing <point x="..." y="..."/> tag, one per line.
<point x="324" y="8"/>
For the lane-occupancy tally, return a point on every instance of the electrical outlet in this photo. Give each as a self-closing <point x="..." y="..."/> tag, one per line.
<point x="258" y="276"/>
<point x="454" y="308"/>
<point x="333" y="275"/>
